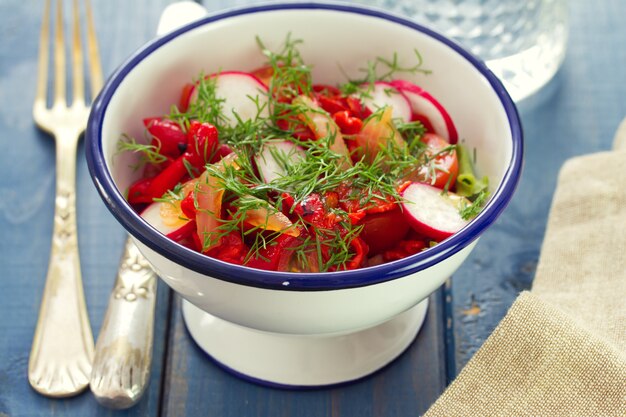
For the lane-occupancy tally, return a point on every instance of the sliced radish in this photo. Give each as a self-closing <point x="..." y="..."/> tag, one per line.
<point x="431" y="212"/>
<point x="244" y="96"/>
<point x="158" y="216"/>
<point x="385" y="94"/>
<point x="274" y="157"/>
<point x="425" y="105"/>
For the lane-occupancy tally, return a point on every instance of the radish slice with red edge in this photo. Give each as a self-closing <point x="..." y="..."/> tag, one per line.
<point x="424" y="104"/>
<point x="244" y="96"/>
<point x="273" y="158"/>
<point x="383" y="94"/>
<point x="431" y="212"/>
<point x="152" y="214"/>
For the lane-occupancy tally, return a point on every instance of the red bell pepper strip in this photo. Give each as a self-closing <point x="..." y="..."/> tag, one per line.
<point x="268" y="258"/>
<point x="360" y="253"/>
<point x="138" y="192"/>
<point x="167" y="136"/>
<point x="331" y="105"/>
<point x="348" y="125"/>
<point x="202" y="142"/>
<point x="167" y="179"/>
<point x="188" y="206"/>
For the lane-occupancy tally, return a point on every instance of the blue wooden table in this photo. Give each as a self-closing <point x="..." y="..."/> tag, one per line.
<point x="576" y="114"/>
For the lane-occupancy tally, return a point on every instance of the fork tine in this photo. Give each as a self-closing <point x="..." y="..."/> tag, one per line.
<point x="44" y="55"/>
<point x="78" y="86"/>
<point x="94" y="56"/>
<point x="59" y="58"/>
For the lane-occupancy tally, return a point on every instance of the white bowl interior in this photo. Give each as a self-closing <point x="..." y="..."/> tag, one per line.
<point x="335" y="43"/>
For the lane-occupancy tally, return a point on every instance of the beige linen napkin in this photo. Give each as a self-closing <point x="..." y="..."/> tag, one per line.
<point x="561" y="348"/>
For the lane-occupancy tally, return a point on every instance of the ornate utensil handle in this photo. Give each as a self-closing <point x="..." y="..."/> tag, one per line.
<point x="124" y="348"/>
<point x="62" y="350"/>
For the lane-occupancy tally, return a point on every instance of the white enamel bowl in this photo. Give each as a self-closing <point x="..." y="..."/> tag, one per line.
<point x="291" y="322"/>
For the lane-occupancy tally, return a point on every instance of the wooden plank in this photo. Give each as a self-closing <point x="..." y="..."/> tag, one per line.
<point x="26" y="207"/>
<point x="407" y="387"/>
<point x="576" y="114"/>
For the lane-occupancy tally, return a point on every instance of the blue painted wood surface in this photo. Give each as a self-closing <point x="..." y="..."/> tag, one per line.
<point x="576" y="114"/>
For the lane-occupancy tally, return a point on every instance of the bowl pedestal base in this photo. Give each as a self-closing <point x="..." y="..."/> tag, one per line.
<point x="302" y="361"/>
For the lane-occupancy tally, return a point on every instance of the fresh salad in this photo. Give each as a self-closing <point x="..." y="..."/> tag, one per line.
<point x="270" y="170"/>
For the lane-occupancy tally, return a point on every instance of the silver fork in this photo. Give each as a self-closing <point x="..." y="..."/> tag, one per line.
<point x="62" y="351"/>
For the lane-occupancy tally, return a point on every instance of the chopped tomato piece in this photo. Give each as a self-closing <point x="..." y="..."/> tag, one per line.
<point x="382" y="231"/>
<point x="232" y="249"/>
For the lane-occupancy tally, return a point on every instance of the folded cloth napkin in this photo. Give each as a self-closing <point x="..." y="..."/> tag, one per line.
<point x="561" y="348"/>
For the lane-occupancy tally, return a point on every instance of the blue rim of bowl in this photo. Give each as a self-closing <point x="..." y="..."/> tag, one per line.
<point x="324" y="281"/>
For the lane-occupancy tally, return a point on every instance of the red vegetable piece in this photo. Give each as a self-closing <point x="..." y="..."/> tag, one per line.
<point x="382" y="231"/>
<point x="185" y="96"/>
<point x="287" y="202"/>
<point x="232" y="249"/>
<point x="403" y="249"/>
<point x="424" y="121"/>
<point x="222" y="151"/>
<point x="288" y="261"/>
<point x="202" y="142"/>
<point x="347" y="124"/>
<point x="188" y="206"/>
<point x="327" y="90"/>
<point x="331" y="105"/>
<point x="167" y="136"/>
<point x="312" y="210"/>
<point x="360" y="253"/>
<point x="269" y="257"/>
<point x="167" y="179"/>
<point x="138" y="192"/>
<point x="293" y="125"/>
<point x="357" y="108"/>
